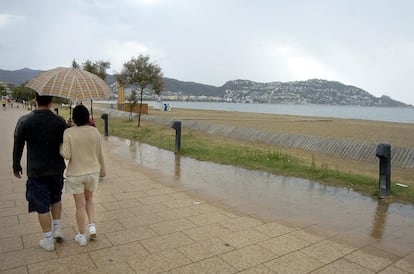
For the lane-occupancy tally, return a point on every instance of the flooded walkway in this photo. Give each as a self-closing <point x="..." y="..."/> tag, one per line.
<point x="339" y="212"/>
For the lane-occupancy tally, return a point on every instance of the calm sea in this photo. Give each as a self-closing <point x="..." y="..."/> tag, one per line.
<point x="388" y="114"/>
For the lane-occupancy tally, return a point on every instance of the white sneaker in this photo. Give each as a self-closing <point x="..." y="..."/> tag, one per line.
<point x="81" y="239"/>
<point x="58" y="235"/>
<point x="48" y="245"/>
<point x="92" y="231"/>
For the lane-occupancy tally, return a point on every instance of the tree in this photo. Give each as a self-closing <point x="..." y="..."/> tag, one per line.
<point x="3" y="91"/>
<point x="23" y="93"/>
<point x="75" y="64"/>
<point x="132" y="99"/>
<point x="98" y="67"/>
<point x="141" y="72"/>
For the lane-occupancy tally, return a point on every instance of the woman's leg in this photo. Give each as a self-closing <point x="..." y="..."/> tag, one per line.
<point x="80" y="212"/>
<point x="90" y="206"/>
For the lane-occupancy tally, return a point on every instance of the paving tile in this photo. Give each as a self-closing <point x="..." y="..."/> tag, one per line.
<point x="121" y="196"/>
<point x="372" y="258"/>
<point x="158" y="262"/>
<point x="205" y="249"/>
<point x="17" y="270"/>
<point x="71" y="264"/>
<point x="27" y="218"/>
<point x="182" y="195"/>
<point x="147" y="209"/>
<point x="207" y="232"/>
<point x="155" y="199"/>
<point x="241" y="223"/>
<point x="142" y="220"/>
<point x="204" y="208"/>
<point x="10" y="211"/>
<point x="10" y="244"/>
<point x="117" y="254"/>
<point x="275" y="229"/>
<point x="8" y="203"/>
<point x="123" y="268"/>
<point x="166" y="242"/>
<point x="176" y="213"/>
<point x="327" y="251"/>
<point x="343" y="266"/>
<point x="24" y="257"/>
<point x="260" y="269"/>
<point x="244" y="238"/>
<point x="180" y="203"/>
<point x="70" y="247"/>
<point x="283" y="244"/>
<point x="393" y="270"/>
<point x="113" y="214"/>
<point x="130" y="235"/>
<point x="120" y="204"/>
<point x="9" y="221"/>
<point x="307" y="236"/>
<point x="159" y="191"/>
<point x="19" y="229"/>
<point x="108" y="226"/>
<point x="102" y="197"/>
<point x="207" y="218"/>
<point x="247" y="257"/>
<point x="171" y="226"/>
<point x="210" y="265"/>
<point x="295" y="262"/>
<point x="405" y="265"/>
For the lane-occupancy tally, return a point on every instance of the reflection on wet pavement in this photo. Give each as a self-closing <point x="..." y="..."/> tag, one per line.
<point x="269" y="197"/>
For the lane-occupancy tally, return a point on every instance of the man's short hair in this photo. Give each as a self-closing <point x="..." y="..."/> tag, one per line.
<point x="43" y="100"/>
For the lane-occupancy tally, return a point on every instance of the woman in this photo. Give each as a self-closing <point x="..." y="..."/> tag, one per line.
<point x="82" y="147"/>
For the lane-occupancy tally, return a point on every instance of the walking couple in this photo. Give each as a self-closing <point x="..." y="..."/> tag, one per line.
<point x="49" y="141"/>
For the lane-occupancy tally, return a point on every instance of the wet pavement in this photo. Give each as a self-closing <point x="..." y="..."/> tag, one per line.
<point x="158" y="212"/>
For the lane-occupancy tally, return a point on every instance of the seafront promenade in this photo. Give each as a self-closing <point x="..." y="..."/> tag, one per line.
<point x="146" y="226"/>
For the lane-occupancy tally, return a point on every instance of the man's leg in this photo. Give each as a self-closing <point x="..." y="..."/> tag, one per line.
<point x="45" y="221"/>
<point x="56" y="210"/>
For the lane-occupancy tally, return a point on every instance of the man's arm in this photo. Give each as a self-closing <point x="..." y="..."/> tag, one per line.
<point x="18" y="147"/>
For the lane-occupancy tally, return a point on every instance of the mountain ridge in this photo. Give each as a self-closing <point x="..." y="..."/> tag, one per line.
<point x="312" y="91"/>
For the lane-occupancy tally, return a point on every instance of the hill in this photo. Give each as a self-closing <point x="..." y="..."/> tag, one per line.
<point x="313" y="91"/>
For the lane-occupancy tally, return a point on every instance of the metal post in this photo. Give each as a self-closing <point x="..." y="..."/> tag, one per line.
<point x="105" y="118"/>
<point x="177" y="126"/>
<point x="384" y="154"/>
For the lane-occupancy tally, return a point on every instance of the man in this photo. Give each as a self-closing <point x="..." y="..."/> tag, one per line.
<point x="42" y="131"/>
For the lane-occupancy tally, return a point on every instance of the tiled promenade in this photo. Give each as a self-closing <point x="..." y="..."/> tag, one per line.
<point x="147" y="227"/>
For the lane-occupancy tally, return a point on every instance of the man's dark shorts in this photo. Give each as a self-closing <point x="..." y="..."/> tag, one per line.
<point x="42" y="192"/>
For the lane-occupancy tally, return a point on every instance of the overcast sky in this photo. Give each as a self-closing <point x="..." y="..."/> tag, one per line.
<point x="368" y="44"/>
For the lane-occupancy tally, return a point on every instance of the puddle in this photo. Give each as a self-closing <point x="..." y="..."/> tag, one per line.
<point x="272" y="197"/>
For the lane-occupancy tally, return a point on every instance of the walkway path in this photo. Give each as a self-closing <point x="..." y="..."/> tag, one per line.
<point x="148" y="227"/>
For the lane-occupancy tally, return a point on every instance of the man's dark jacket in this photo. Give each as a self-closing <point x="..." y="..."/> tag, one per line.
<point x="42" y="131"/>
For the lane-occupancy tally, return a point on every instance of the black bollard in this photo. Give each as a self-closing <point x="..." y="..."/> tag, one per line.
<point x="384" y="154"/>
<point x="177" y="126"/>
<point x="57" y="111"/>
<point x="105" y="118"/>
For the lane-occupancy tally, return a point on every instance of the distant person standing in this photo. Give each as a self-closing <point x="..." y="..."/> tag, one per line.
<point x="4" y="102"/>
<point x="42" y="132"/>
<point x="82" y="147"/>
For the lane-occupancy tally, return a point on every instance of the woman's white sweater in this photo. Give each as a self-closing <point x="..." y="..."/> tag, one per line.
<point x="82" y="147"/>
